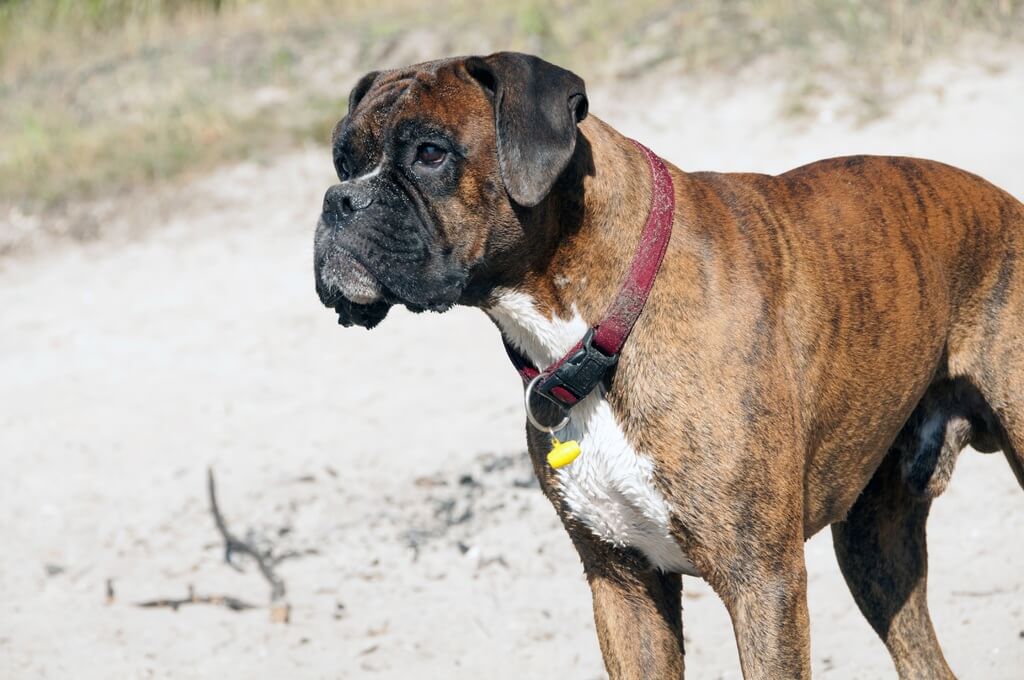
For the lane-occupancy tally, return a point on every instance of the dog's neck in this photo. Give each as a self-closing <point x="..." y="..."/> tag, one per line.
<point x="580" y="252"/>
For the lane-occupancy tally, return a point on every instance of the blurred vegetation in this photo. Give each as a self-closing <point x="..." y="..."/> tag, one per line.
<point x="103" y="95"/>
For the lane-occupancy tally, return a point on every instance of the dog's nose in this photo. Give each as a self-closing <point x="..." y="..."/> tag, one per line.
<point x="342" y="201"/>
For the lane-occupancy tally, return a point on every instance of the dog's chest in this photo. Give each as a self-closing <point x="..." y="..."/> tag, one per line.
<point x="610" y="486"/>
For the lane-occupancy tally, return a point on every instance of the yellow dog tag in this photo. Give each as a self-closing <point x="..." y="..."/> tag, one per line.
<point x="563" y="453"/>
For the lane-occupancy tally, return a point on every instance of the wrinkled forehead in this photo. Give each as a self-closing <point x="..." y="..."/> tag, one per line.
<point x="438" y="96"/>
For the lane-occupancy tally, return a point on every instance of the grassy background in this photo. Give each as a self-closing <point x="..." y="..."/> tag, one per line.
<point x="100" y="96"/>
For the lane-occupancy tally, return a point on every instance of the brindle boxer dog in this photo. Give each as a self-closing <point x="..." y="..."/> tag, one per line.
<point x="816" y="350"/>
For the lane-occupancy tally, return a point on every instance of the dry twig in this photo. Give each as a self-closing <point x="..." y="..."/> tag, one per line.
<point x="279" y="610"/>
<point x="232" y="603"/>
<point x="232" y="545"/>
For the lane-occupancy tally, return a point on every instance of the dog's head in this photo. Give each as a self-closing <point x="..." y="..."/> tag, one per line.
<point x="436" y="164"/>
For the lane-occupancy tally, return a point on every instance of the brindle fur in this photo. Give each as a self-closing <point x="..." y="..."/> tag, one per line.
<point x="802" y="329"/>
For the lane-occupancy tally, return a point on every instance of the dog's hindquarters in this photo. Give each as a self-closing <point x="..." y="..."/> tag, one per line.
<point x="976" y="398"/>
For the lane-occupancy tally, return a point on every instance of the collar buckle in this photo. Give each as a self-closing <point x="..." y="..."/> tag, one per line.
<point x="578" y="374"/>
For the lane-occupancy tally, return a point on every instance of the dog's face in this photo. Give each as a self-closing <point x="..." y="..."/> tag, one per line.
<point x="436" y="162"/>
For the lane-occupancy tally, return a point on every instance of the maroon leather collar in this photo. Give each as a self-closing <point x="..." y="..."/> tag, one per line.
<point x="570" y="379"/>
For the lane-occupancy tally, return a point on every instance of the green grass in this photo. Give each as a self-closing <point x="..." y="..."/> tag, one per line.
<point x="106" y="95"/>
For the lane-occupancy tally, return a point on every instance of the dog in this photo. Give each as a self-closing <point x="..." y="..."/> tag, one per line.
<point x="814" y="349"/>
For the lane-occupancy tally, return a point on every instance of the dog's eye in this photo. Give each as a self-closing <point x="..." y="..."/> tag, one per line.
<point x="430" y="154"/>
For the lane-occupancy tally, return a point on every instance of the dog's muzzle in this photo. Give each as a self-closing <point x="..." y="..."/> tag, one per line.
<point x="341" y="275"/>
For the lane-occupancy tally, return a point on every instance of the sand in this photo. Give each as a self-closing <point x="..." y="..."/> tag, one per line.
<point x="188" y="335"/>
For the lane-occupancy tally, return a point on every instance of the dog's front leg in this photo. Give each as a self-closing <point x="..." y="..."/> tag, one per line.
<point x="638" y="613"/>
<point x="637" y="609"/>
<point x="768" y="606"/>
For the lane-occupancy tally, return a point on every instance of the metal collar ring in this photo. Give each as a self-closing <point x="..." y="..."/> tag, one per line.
<point x="533" y="419"/>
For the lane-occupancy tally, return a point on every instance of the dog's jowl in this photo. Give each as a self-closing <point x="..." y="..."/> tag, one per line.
<point x="787" y="352"/>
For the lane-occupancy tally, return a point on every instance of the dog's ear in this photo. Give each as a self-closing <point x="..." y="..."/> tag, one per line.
<point x="536" y="108"/>
<point x="360" y="90"/>
<point x="354" y="97"/>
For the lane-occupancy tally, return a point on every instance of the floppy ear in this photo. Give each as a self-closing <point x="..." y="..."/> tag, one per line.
<point x="360" y="90"/>
<point x="536" y="108"/>
<point x="354" y="97"/>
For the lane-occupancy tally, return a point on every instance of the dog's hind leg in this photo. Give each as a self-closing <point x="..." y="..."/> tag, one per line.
<point x="883" y="556"/>
<point x="1001" y="381"/>
<point x="988" y="344"/>
<point x="994" y="362"/>
<point x="1009" y="410"/>
<point x="1015" y="457"/>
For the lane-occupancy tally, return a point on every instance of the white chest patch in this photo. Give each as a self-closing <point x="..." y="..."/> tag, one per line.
<point x="610" y="486"/>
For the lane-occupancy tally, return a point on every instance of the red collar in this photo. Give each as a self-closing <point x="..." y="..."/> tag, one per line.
<point x="570" y="379"/>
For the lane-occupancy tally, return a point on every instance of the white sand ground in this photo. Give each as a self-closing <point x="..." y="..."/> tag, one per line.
<point x="130" y="364"/>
